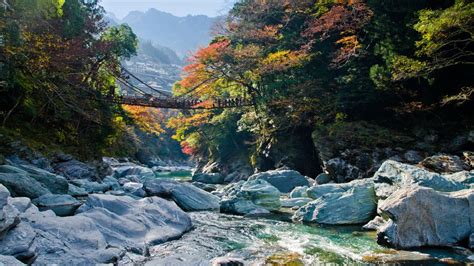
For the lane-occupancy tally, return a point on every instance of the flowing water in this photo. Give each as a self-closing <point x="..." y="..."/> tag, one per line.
<point x="277" y="241"/>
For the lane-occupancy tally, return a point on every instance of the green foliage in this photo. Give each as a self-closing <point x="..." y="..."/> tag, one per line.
<point x="55" y="71"/>
<point x="122" y="40"/>
<point x="357" y="71"/>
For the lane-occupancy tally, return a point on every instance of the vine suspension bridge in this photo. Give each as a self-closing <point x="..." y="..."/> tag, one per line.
<point x="159" y="98"/>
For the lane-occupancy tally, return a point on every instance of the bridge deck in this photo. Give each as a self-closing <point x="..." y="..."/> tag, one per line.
<point x="178" y="103"/>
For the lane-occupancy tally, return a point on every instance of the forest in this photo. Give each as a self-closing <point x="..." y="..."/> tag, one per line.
<point x="345" y="74"/>
<point x="59" y="62"/>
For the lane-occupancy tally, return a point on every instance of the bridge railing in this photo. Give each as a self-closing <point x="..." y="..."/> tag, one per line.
<point x="181" y="103"/>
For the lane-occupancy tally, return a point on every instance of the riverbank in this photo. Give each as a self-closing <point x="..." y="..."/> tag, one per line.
<point x="165" y="215"/>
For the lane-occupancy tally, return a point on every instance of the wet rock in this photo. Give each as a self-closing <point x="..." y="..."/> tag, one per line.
<point x="211" y="178"/>
<point x="187" y="196"/>
<point x="284" y="180"/>
<point x="299" y="192"/>
<point x="294" y="202"/>
<point x="246" y="196"/>
<point x="10" y="261"/>
<point x="322" y="179"/>
<point x="61" y="205"/>
<point x="351" y="203"/>
<point x="421" y="216"/>
<point x="285" y="259"/>
<point x="392" y="176"/>
<point x="135" y="189"/>
<point x="74" y="169"/>
<point x="445" y="164"/>
<point x="374" y="224"/>
<point x="135" y="224"/>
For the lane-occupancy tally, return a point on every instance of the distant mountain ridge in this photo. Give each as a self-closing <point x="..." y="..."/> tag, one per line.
<point x="182" y="34"/>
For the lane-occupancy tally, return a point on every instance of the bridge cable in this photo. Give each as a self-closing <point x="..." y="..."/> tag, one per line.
<point x="142" y="82"/>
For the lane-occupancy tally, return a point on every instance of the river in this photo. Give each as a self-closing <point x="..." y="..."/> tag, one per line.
<point x="277" y="241"/>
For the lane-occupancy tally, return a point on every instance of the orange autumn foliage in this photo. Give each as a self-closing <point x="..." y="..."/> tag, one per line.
<point x="147" y="119"/>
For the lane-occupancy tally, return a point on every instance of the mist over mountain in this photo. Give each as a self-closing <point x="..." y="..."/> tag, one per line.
<point x="181" y="34"/>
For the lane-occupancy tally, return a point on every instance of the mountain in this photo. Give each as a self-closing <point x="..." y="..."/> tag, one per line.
<point x="111" y="19"/>
<point x="181" y="34"/>
<point x="158" y="53"/>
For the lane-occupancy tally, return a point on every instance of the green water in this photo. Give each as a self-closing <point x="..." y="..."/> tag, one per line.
<point x="257" y="240"/>
<point x="179" y="175"/>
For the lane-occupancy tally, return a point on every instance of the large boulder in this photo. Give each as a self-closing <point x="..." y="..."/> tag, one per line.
<point x="92" y="187"/>
<point x="294" y="202"/>
<point x="393" y="176"/>
<point x="133" y="170"/>
<point x="445" y="163"/>
<point x="76" y="191"/>
<point x="74" y="169"/>
<point x="9" y="261"/>
<point x="42" y="238"/>
<point x="299" y="192"/>
<point x="22" y="185"/>
<point x="421" y="216"/>
<point x="284" y="180"/>
<point x="322" y="179"/>
<point x="9" y="215"/>
<point x="249" y="196"/>
<point x="338" y="204"/>
<point x="112" y="182"/>
<point x="135" y="224"/>
<point x="54" y="183"/>
<point x="32" y="182"/>
<point x="65" y="240"/>
<point x="136" y="189"/>
<point x="19" y="243"/>
<point x="62" y="205"/>
<point x="464" y="177"/>
<point x="211" y="178"/>
<point x="374" y="224"/>
<point x="187" y="196"/>
<point x="4" y="195"/>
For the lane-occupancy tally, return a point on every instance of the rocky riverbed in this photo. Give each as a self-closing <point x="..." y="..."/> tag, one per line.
<point x="70" y="213"/>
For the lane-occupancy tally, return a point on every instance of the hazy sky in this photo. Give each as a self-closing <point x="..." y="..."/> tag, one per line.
<point x="177" y="7"/>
